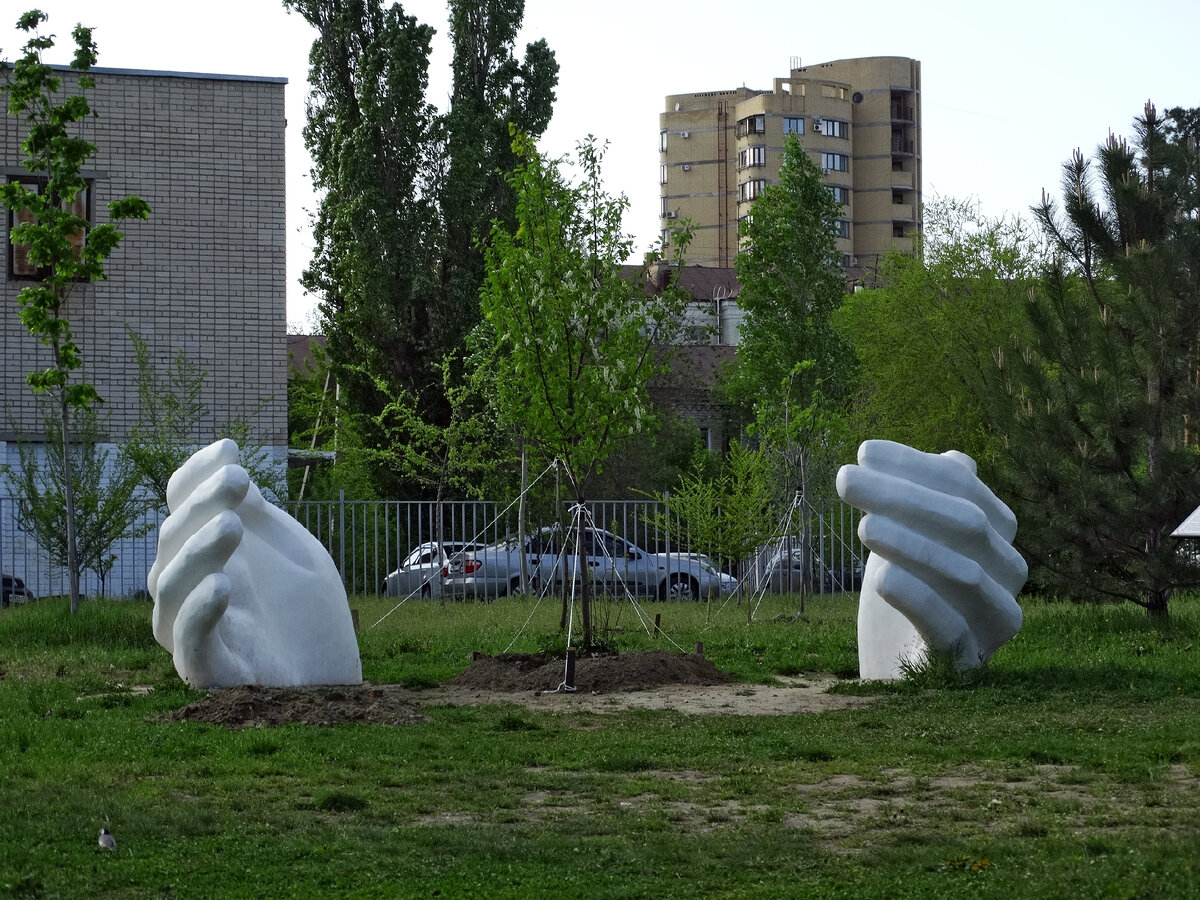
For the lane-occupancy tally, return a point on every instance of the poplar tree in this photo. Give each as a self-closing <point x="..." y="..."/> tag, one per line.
<point x="409" y="194"/>
<point x="371" y="134"/>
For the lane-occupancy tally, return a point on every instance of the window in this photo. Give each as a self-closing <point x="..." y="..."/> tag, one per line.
<point x="751" y="125"/>
<point x="662" y="174"/>
<point x="19" y="264"/>
<point x="706" y="438"/>
<point x="835" y="162"/>
<point x="752" y="156"/>
<point x="793" y="125"/>
<point x="898" y="230"/>
<point x="748" y="190"/>
<point x="842" y="228"/>
<point x="833" y="128"/>
<point x="662" y="142"/>
<point x="840" y="194"/>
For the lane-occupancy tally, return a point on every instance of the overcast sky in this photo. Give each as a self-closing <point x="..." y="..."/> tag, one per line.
<point x="1009" y="90"/>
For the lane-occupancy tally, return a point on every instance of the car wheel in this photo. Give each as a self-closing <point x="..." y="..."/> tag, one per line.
<point x="681" y="587"/>
<point x="514" y="587"/>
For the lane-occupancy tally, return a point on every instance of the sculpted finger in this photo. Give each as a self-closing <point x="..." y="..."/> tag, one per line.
<point x="947" y="473"/>
<point x="943" y="628"/>
<point x="200" y="654"/>
<point x="945" y="520"/>
<point x="205" y="552"/>
<point x="920" y="508"/>
<point x="199" y="466"/>
<point x="222" y="490"/>
<point x="986" y="604"/>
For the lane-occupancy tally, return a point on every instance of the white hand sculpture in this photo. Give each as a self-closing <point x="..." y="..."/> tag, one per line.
<point x="243" y="594"/>
<point x="943" y="573"/>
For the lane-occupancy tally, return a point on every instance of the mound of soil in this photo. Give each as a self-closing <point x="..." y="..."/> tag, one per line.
<point x="252" y="706"/>
<point x="596" y="674"/>
<point x="509" y="673"/>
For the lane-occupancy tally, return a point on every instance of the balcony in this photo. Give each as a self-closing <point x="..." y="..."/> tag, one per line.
<point x="903" y="146"/>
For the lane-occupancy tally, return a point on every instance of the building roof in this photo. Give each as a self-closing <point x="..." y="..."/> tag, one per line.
<point x="301" y="349"/>
<point x="210" y="76"/>
<point x="1189" y="527"/>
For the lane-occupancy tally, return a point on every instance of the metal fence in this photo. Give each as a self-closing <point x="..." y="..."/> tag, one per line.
<point x="368" y="539"/>
<point x="21" y="556"/>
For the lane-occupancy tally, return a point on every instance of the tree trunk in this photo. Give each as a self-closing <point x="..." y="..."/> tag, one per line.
<point x="69" y="500"/>
<point x="585" y="583"/>
<point x="521" y="518"/>
<point x="1156" y="603"/>
<point x="806" y="561"/>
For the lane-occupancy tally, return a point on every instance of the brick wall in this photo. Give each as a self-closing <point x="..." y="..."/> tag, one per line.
<point x="205" y="273"/>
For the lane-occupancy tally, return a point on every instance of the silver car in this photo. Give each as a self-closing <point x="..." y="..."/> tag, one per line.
<point x="421" y="572"/>
<point x="616" y="566"/>
<point x="778" y="567"/>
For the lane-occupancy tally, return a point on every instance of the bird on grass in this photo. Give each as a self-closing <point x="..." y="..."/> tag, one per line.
<point x="107" y="841"/>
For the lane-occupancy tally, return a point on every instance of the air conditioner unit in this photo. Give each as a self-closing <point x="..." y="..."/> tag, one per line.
<point x="684" y="134"/>
<point x="854" y="260"/>
<point x="816" y="127"/>
<point x="670" y="214"/>
<point x="827" y="171"/>
<point x="686" y="167"/>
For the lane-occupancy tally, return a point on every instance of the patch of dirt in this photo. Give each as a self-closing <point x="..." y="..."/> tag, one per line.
<point x="599" y="673"/>
<point x="651" y="679"/>
<point x="252" y="706"/>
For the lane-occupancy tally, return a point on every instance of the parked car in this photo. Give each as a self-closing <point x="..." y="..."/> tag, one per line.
<point x="616" y="564"/>
<point x="779" y="568"/>
<point x="421" y="572"/>
<point x="13" y="590"/>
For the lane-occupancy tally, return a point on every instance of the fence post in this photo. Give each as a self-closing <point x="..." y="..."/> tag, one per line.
<point x="342" y="535"/>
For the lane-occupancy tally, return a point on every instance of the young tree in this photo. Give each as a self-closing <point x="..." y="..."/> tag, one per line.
<point x="68" y="250"/>
<point x="793" y="365"/>
<point x="726" y="515"/>
<point x="1102" y="399"/>
<point x="371" y="135"/>
<point x="107" y="504"/>
<point x="926" y="336"/>
<point x="174" y="422"/>
<point x="574" y="342"/>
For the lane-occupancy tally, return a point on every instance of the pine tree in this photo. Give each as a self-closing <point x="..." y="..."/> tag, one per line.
<point x="1099" y="408"/>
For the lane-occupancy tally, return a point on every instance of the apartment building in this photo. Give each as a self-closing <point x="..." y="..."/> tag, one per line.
<point x="205" y="274"/>
<point x="859" y="119"/>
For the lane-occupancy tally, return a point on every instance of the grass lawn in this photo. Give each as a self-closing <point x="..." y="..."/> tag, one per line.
<point x="1067" y="768"/>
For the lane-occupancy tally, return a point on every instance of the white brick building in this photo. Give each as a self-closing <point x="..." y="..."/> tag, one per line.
<point x="204" y="274"/>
